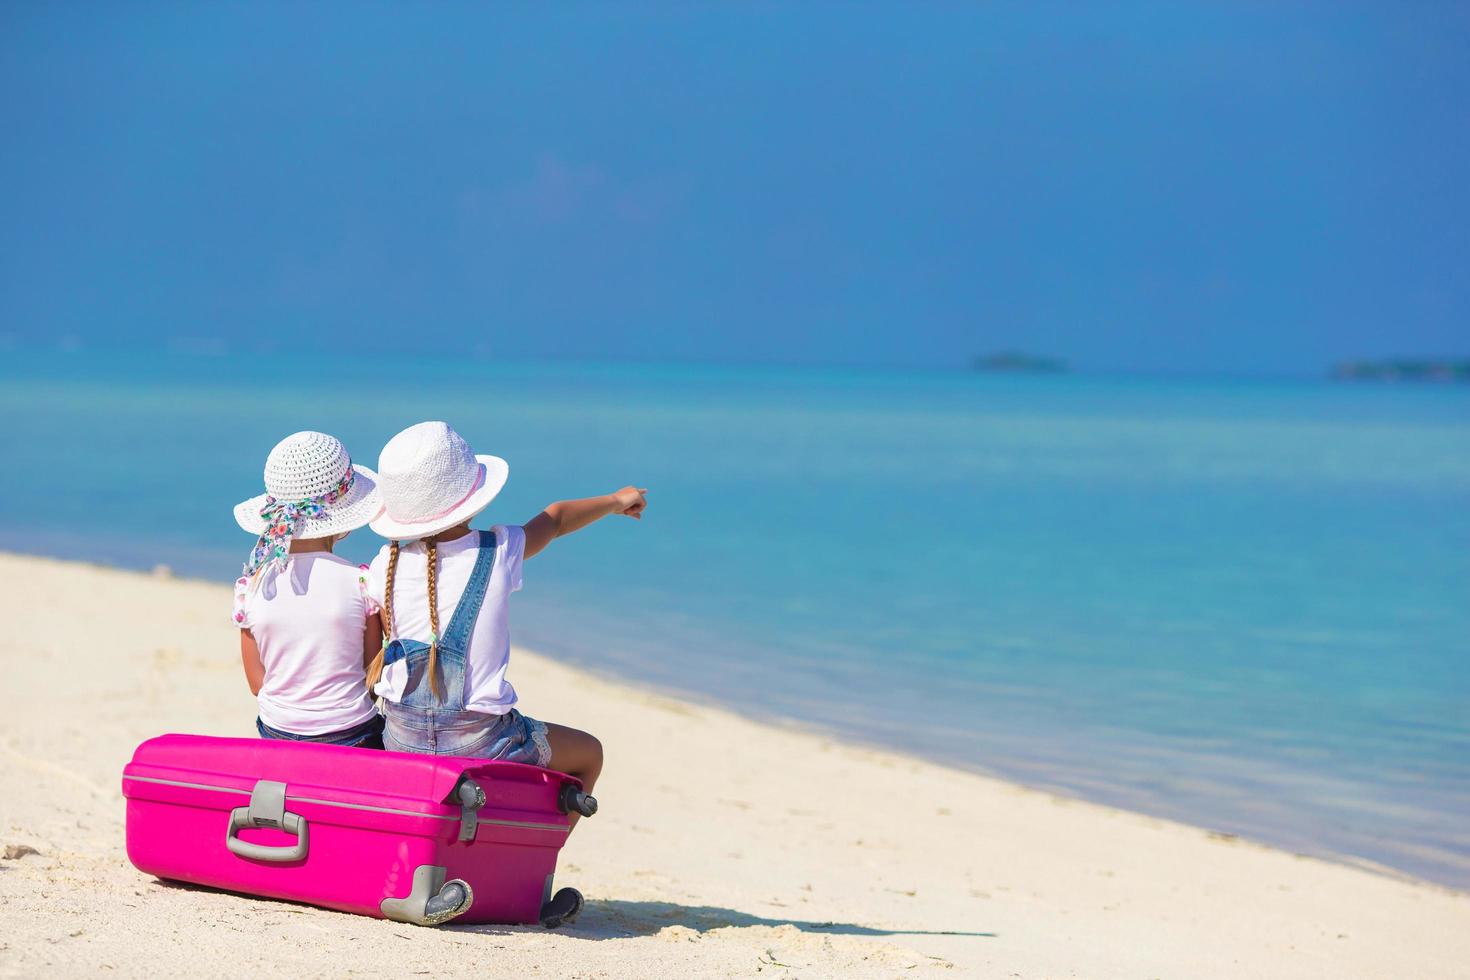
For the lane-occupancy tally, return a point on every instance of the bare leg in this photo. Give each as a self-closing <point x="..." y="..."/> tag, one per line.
<point x="577" y="754"/>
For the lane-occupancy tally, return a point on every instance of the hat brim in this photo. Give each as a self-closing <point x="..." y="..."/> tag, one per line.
<point x="361" y="505"/>
<point x="495" y="471"/>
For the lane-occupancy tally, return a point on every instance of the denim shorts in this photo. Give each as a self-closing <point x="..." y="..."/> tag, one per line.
<point x="368" y="735"/>
<point x="511" y="737"/>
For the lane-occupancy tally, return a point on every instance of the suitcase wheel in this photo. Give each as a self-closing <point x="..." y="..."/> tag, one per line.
<point x="562" y="908"/>
<point x="573" y="799"/>
<point x="454" y="899"/>
<point x="432" y="900"/>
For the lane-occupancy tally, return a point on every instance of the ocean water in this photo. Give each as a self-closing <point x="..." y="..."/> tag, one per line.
<point x="1244" y="604"/>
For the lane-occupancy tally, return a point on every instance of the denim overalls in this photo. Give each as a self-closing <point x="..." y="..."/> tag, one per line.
<point x="422" y="722"/>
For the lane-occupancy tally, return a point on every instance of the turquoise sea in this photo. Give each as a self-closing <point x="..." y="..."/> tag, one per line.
<point x="1240" y="603"/>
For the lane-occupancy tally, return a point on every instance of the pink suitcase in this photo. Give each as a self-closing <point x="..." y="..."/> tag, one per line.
<point x="414" y="838"/>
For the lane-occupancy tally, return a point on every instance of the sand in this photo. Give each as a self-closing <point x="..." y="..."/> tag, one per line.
<point x="724" y="847"/>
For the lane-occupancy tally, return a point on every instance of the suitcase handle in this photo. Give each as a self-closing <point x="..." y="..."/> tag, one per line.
<point x="294" y="823"/>
<point x="267" y="809"/>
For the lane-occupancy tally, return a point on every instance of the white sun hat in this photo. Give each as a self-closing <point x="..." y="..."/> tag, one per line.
<point x="431" y="480"/>
<point x="312" y="490"/>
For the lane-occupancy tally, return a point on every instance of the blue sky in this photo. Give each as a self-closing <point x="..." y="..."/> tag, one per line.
<point x="1177" y="187"/>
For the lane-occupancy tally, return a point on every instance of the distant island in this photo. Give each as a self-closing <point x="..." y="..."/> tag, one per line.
<point x="1015" y="361"/>
<point x="1402" y="370"/>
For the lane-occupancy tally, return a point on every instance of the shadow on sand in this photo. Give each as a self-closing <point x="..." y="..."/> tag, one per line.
<point x="618" y="919"/>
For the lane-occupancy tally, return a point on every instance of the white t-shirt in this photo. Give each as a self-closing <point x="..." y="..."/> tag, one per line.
<point x="485" y="688"/>
<point x="308" y="623"/>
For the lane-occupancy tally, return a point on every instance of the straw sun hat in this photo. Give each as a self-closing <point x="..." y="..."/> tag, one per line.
<point x="431" y="480"/>
<point x="312" y="490"/>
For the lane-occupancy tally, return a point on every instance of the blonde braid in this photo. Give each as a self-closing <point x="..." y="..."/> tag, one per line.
<point x="375" y="669"/>
<point x="433" y="558"/>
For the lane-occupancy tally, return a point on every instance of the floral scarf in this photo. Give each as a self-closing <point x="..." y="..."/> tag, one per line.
<point x="283" y="520"/>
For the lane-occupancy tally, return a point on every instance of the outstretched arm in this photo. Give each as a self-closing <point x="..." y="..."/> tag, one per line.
<point x="566" y="516"/>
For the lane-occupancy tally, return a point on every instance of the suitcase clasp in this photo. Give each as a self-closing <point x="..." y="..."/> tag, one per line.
<point x="470" y="797"/>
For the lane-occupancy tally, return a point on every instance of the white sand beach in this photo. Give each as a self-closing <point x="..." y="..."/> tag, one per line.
<point x="724" y="847"/>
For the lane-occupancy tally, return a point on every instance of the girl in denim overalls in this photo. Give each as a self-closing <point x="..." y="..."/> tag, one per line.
<point x="444" y="687"/>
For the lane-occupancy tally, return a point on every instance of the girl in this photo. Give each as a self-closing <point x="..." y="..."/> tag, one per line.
<point x="444" y="590"/>
<point x="307" y="628"/>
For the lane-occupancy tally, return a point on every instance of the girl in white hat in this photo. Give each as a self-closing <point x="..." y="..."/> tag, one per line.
<point x="443" y="680"/>
<point x="307" y="627"/>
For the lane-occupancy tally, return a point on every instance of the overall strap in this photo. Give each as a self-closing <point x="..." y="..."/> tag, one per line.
<point x="457" y="637"/>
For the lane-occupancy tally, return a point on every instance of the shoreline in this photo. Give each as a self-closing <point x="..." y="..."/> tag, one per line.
<point x="1032" y="771"/>
<point x="725" y="845"/>
<point x="1012" y="771"/>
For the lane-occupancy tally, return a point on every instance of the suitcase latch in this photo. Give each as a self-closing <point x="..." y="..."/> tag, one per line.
<point x="470" y="797"/>
<point x="267" y="804"/>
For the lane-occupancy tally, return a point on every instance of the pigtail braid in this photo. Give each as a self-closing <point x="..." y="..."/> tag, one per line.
<point x="433" y="570"/>
<point x="375" y="669"/>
